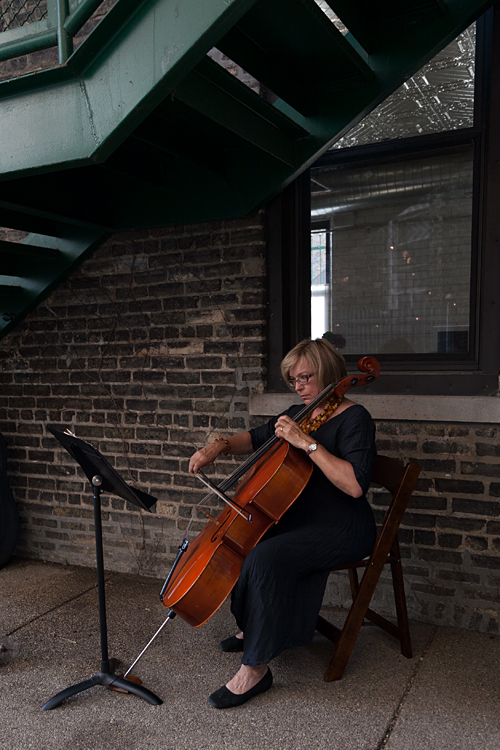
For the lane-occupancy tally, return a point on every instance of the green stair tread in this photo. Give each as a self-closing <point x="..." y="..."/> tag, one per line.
<point x="392" y="24"/>
<point x="10" y="290"/>
<point x="26" y="218"/>
<point x="18" y="296"/>
<point x="26" y="251"/>
<point x="213" y="92"/>
<point x="291" y="47"/>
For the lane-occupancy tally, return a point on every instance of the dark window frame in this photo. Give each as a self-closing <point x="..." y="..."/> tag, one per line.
<point x="323" y="226"/>
<point x="289" y="269"/>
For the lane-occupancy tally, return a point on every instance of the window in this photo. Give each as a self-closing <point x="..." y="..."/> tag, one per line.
<point x="402" y="249"/>
<point x="391" y="252"/>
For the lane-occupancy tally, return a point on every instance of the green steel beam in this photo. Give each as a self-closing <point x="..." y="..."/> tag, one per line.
<point x="252" y="149"/>
<point x="209" y="90"/>
<point x="19" y="295"/>
<point x="83" y="118"/>
<point x="336" y="114"/>
<point x="291" y="58"/>
<point x="176" y="137"/>
<point x="126" y="192"/>
<point x="9" y="291"/>
<point x="264" y="174"/>
<point x="17" y="258"/>
<point x="26" y="218"/>
<point x="377" y="26"/>
<point x="48" y="221"/>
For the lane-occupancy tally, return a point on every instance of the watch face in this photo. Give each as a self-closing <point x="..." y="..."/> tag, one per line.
<point x="313" y="446"/>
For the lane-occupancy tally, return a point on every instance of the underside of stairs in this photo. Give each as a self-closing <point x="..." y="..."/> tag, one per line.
<point x="141" y="127"/>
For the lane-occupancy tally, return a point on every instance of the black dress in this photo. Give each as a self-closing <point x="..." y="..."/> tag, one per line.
<point x="280" y="590"/>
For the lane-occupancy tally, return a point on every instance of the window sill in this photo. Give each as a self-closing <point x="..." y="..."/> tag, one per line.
<point x="474" y="409"/>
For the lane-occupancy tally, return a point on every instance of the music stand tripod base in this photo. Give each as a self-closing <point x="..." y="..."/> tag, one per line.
<point x="104" y="678"/>
<point x="103" y="478"/>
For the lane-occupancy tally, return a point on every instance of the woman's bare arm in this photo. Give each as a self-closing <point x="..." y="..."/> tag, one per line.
<point x="239" y="445"/>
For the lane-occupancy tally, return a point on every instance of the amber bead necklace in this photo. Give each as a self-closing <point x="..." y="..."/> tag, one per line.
<point x="311" y="425"/>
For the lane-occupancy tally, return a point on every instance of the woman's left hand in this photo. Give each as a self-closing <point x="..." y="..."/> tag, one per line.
<point x="290" y="431"/>
<point x="337" y="470"/>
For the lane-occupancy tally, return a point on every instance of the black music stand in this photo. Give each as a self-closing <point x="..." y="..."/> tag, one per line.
<point x="103" y="478"/>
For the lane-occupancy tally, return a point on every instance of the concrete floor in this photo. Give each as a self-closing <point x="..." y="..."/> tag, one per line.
<point x="447" y="696"/>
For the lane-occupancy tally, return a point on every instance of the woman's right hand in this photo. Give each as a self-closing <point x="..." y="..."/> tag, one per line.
<point x="206" y="456"/>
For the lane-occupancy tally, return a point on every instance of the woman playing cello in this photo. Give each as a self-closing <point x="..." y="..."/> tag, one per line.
<point x="279" y="593"/>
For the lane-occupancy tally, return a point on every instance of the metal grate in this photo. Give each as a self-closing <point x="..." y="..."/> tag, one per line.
<point x="15" y="13"/>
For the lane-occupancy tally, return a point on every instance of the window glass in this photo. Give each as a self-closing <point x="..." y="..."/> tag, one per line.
<point x="440" y="97"/>
<point x="391" y="254"/>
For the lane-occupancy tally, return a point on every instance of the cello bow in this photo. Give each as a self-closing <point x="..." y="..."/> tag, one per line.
<point x="275" y="475"/>
<point x="370" y="370"/>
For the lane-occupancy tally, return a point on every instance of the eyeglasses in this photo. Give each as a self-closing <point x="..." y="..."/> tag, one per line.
<point x="301" y="380"/>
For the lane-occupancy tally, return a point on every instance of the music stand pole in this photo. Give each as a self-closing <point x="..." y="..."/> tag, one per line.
<point x="96" y="485"/>
<point x="106" y="676"/>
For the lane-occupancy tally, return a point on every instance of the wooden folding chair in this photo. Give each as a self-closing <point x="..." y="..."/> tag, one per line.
<point x="400" y="481"/>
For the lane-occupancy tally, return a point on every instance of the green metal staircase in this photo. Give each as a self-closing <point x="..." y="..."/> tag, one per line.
<point x="139" y="127"/>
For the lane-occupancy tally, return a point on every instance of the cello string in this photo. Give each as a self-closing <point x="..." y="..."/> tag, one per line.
<point x="249" y="462"/>
<point x="201" y="476"/>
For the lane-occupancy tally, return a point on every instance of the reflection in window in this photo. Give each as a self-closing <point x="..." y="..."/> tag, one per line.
<point x="439" y="98"/>
<point x="391" y="254"/>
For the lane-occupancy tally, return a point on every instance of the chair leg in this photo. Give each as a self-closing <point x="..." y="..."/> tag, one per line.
<point x="352" y="625"/>
<point x="399" y="481"/>
<point x="342" y="652"/>
<point x="363" y="593"/>
<point x="354" y="581"/>
<point x="400" y="600"/>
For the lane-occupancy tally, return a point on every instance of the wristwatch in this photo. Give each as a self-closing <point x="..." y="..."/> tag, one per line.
<point x="312" y="447"/>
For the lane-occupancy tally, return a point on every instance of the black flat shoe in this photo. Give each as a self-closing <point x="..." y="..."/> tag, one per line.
<point x="224" y="698"/>
<point x="232" y="644"/>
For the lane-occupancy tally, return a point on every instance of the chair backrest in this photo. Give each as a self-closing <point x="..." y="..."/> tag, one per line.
<point x="388" y="473"/>
<point x="400" y="481"/>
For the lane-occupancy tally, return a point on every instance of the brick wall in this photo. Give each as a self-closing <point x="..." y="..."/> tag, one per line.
<point x="150" y="349"/>
<point x="147" y="351"/>
<point x="450" y="535"/>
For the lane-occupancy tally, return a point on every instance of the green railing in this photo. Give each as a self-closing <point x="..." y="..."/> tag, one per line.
<point x="33" y="25"/>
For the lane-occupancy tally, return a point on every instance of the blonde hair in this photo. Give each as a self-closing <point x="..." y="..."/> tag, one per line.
<point x="328" y="365"/>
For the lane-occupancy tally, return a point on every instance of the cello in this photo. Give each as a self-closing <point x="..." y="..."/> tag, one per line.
<point x="204" y="572"/>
